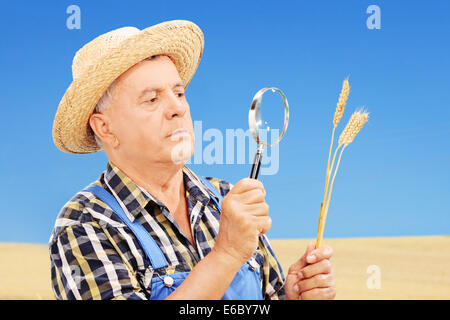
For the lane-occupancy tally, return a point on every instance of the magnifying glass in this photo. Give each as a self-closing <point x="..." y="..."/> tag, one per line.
<point x="271" y="122"/>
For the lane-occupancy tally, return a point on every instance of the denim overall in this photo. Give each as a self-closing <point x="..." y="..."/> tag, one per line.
<point x="246" y="285"/>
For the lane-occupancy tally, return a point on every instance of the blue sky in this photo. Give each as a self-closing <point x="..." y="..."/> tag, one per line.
<point x="393" y="179"/>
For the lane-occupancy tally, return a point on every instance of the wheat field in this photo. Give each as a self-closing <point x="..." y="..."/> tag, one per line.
<point x="407" y="267"/>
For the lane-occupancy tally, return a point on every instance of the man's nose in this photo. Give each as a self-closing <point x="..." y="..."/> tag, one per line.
<point x="176" y="106"/>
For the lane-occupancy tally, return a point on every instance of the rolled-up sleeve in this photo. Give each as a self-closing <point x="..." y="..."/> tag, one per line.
<point x="86" y="265"/>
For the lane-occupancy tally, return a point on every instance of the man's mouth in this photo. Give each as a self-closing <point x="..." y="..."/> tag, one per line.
<point x="178" y="133"/>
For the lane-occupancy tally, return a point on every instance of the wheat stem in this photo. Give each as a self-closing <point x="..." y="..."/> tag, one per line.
<point x="323" y="215"/>
<point x="327" y="177"/>
<point x="331" y="185"/>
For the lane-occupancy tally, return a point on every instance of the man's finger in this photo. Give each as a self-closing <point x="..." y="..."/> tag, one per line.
<point x="263" y="224"/>
<point x="323" y="252"/>
<point x="300" y="263"/>
<point x="258" y="209"/>
<point x="317" y="281"/>
<point x="319" y="294"/>
<point x="247" y="184"/>
<point x="321" y="267"/>
<point x="253" y="196"/>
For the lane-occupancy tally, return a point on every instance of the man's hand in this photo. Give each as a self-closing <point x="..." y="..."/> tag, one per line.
<point x="311" y="277"/>
<point x="244" y="217"/>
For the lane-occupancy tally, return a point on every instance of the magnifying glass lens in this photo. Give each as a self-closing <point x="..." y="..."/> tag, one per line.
<point x="270" y="116"/>
<point x="268" y="119"/>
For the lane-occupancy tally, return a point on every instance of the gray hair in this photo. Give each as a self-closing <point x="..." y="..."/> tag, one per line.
<point x="105" y="102"/>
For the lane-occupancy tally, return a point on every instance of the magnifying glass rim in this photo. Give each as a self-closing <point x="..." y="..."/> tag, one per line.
<point x="256" y="102"/>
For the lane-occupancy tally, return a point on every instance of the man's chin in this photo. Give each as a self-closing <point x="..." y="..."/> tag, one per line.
<point x="182" y="152"/>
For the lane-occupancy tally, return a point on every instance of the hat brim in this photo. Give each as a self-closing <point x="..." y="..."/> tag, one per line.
<point x="181" y="40"/>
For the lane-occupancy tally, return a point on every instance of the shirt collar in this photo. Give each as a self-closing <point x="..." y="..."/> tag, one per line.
<point x="196" y="187"/>
<point x="134" y="197"/>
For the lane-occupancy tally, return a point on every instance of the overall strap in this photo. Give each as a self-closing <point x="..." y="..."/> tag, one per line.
<point x="246" y="283"/>
<point x="213" y="190"/>
<point x="153" y="253"/>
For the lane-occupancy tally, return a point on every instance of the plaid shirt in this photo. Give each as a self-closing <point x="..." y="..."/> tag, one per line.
<point x="94" y="255"/>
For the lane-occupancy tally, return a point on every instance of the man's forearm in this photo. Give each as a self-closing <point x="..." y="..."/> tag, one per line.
<point x="209" y="279"/>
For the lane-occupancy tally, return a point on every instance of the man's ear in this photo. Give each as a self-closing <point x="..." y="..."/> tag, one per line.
<point x="101" y="125"/>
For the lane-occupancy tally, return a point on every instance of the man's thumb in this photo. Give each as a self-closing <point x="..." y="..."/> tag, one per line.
<point x="310" y="247"/>
<point x="297" y="266"/>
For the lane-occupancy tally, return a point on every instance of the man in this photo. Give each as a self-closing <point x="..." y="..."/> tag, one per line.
<point x="128" y="97"/>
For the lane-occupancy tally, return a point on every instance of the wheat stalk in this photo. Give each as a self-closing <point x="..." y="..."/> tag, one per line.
<point x="353" y="127"/>
<point x="340" y="108"/>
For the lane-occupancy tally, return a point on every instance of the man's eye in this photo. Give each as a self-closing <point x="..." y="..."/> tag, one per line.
<point x="152" y="100"/>
<point x="180" y="94"/>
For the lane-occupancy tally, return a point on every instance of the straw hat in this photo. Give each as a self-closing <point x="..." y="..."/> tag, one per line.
<point x="98" y="63"/>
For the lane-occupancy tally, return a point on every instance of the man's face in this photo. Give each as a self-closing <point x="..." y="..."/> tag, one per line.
<point x="150" y="115"/>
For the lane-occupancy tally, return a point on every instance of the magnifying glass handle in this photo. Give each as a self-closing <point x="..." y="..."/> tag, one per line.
<point x="257" y="162"/>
